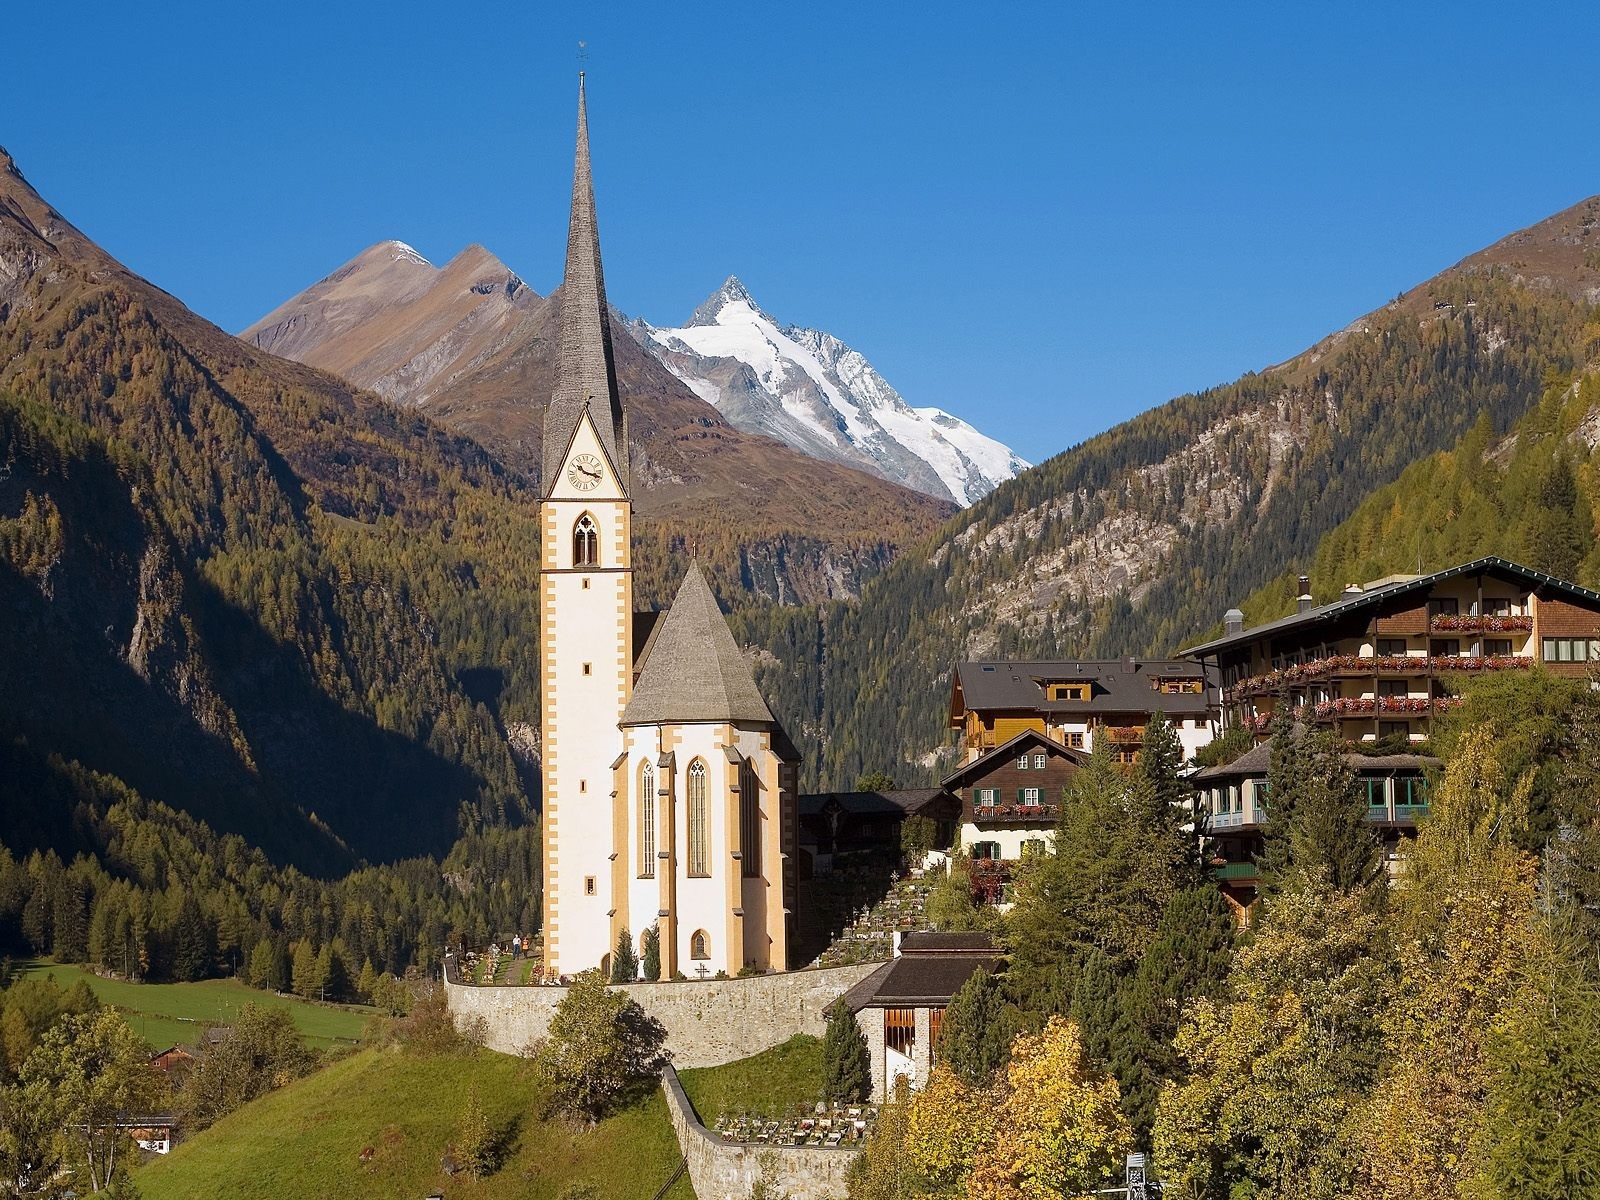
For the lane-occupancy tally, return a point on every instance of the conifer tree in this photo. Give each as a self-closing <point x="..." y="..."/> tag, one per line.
<point x="847" y="1065"/>
<point x="624" y="963"/>
<point x="976" y="1031"/>
<point x="652" y="954"/>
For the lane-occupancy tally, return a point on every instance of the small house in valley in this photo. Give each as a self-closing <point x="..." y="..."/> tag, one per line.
<point x="900" y="1006"/>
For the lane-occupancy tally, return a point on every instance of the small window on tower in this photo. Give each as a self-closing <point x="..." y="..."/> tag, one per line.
<point x="588" y="668"/>
<point x="583" y="785"/>
<point x="586" y="583"/>
<point x="588" y="885"/>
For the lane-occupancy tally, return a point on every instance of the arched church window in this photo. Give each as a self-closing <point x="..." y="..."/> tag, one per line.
<point x="647" y="821"/>
<point x="585" y="542"/>
<point x="749" y="820"/>
<point x="699" y="946"/>
<point x="699" y="833"/>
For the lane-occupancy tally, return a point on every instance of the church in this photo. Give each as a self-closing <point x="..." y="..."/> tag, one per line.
<point x="669" y="787"/>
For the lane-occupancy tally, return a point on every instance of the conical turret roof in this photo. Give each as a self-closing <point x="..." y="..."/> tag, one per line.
<point x="695" y="671"/>
<point x="585" y="371"/>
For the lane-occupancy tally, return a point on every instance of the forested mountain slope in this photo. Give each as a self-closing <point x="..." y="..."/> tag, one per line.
<point x="238" y="585"/>
<point x="472" y="346"/>
<point x="1140" y="538"/>
<point x="1531" y="496"/>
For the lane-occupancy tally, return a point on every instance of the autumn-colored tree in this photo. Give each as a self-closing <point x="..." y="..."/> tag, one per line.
<point x="1539" y="1134"/>
<point x="1274" y="1069"/>
<point x="948" y="1126"/>
<point x="88" y="1072"/>
<point x="1059" y="1128"/>
<point x="1463" y="926"/>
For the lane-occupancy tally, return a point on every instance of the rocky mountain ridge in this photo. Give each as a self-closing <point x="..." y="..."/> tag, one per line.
<point x="810" y="390"/>
<point x="472" y="346"/>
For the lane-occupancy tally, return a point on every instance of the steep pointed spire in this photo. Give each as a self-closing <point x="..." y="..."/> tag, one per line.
<point x="585" y="371"/>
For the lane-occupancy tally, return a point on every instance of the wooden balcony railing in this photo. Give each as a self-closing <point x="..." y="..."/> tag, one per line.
<point x="1356" y="665"/>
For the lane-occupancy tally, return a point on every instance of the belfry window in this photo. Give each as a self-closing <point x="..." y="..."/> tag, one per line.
<point x="699" y="858"/>
<point x="647" y="821"/>
<point x="585" y="542"/>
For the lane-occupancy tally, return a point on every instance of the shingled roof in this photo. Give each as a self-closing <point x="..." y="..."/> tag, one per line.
<point x="1124" y="685"/>
<point x="586" y="375"/>
<point x="1374" y="594"/>
<point x="694" y="670"/>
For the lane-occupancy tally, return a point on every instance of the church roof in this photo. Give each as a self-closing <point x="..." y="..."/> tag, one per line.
<point x="695" y="670"/>
<point x="586" y="373"/>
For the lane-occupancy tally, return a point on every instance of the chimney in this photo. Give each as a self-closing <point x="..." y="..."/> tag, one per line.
<point x="1232" y="622"/>
<point x="1127" y="665"/>
<point x="1305" y="594"/>
<point x="1352" y="589"/>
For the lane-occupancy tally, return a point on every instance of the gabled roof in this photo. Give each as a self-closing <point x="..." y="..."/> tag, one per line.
<point x="694" y="670"/>
<point x="919" y="980"/>
<point x="1355" y="601"/>
<point x="586" y="373"/>
<point x="1028" y="737"/>
<point x="1117" y="686"/>
<point x="897" y="802"/>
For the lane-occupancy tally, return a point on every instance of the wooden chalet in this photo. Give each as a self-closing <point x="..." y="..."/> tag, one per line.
<point x="1383" y="659"/>
<point x="1080" y="702"/>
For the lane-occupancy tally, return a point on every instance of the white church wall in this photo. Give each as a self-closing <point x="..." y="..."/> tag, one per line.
<point x="587" y="646"/>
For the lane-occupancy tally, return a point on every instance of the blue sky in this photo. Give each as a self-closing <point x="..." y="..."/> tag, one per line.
<point x="1044" y="218"/>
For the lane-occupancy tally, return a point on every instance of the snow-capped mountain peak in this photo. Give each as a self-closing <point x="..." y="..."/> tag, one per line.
<point x="809" y="389"/>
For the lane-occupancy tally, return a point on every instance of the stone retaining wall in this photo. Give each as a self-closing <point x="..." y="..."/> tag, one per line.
<point x="708" y="1022"/>
<point x="723" y="1170"/>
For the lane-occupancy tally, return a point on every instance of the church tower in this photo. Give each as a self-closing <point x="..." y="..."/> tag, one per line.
<point x="585" y="598"/>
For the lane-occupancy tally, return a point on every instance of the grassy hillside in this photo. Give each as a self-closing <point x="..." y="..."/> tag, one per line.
<point x="771" y="1084"/>
<point x="165" y="1014"/>
<point x="306" y="1139"/>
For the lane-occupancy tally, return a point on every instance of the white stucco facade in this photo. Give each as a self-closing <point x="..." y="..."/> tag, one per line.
<point x="586" y="634"/>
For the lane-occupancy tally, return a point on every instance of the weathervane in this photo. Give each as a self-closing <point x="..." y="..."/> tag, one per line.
<point x="583" y="56"/>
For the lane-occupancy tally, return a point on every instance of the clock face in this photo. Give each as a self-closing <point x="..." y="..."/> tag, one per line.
<point x="585" y="472"/>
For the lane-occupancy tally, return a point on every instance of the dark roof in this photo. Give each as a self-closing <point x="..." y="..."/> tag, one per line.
<point x="928" y="941"/>
<point x="586" y="374"/>
<point x="694" y="670"/>
<point x="1256" y="762"/>
<point x="902" y="802"/>
<point x="645" y="624"/>
<point x="1503" y="568"/>
<point x="1118" y="685"/>
<point x="1030" y="737"/>
<point x="918" y="980"/>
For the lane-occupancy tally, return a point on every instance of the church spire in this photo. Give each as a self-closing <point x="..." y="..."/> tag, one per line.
<point x="585" y="371"/>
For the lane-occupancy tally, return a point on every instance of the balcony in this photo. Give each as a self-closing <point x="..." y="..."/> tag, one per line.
<point x="1358" y="666"/>
<point x="1015" y="814"/>
<point x="1122" y="735"/>
<point x="1467" y="623"/>
<point x="1367" y="706"/>
<point x="1400" y="814"/>
<point x="1235" y="872"/>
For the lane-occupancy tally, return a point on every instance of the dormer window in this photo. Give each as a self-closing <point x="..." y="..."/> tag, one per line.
<point x="1180" y="687"/>
<point x="1068" y="691"/>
